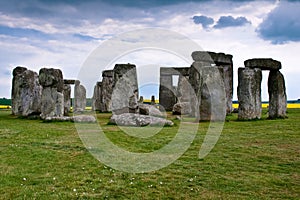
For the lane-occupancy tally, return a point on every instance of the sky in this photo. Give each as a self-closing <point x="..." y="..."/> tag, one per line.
<point x="66" y="34"/>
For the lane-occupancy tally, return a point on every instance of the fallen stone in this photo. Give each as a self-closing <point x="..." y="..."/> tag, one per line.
<point x="146" y="109"/>
<point x="182" y="108"/>
<point x="137" y="120"/>
<point x="77" y="119"/>
<point x="263" y="64"/>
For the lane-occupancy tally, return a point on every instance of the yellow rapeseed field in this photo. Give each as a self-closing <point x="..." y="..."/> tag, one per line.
<point x="265" y="105"/>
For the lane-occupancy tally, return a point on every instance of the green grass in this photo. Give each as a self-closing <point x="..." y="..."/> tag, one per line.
<point x="252" y="160"/>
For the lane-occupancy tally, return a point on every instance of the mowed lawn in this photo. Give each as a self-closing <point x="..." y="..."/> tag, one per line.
<point x="251" y="160"/>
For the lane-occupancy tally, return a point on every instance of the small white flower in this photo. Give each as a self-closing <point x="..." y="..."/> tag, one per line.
<point x="131" y="183"/>
<point x="191" y="179"/>
<point x="74" y="190"/>
<point x="161" y="183"/>
<point x="24" y="179"/>
<point x="54" y="178"/>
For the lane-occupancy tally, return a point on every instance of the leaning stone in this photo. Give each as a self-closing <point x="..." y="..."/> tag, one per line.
<point x="277" y="95"/>
<point x="263" y="64"/>
<point x="249" y="93"/>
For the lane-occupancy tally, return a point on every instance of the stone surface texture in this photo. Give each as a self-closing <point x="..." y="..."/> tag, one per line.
<point x="137" y="120"/>
<point x="52" y="104"/>
<point x="263" y="64"/>
<point x="249" y="93"/>
<point x="26" y="92"/>
<point x="79" y="97"/>
<point x="277" y="95"/>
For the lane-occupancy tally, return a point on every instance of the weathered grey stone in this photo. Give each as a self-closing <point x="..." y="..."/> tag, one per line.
<point x="52" y="104"/>
<point x="125" y="90"/>
<point x="212" y="57"/>
<point x="167" y="90"/>
<point x="49" y="77"/>
<point x="263" y="64"/>
<point x="84" y="119"/>
<point x="97" y="97"/>
<point x="107" y="90"/>
<point x="249" y="93"/>
<point x="79" y="97"/>
<point x="67" y="99"/>
<point x="277" y="95"/>
<point x="212" y="95"/>
<point x="130" y="119"/>
<point x="77" y="119"/>
<point x="152" y="110"/>
<point x="26" y="92"/>
<point x="182" y="108"/>
<point x="69" y="81"/>
<point x="221" y="60"/>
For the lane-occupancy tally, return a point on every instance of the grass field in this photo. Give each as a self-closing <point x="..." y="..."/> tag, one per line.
<point x="252" y="160"/>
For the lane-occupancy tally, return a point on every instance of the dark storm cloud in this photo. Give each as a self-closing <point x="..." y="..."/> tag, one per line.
<point x="203" y="20"/>
<point x="229" y="21"/>
<point x="282" y="24"/>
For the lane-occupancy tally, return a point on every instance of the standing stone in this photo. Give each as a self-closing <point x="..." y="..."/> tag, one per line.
<point x="212" y="99"/>
<point x="277" y="95"/>
<point x="52" y="94"/>
<point x="168" y="91"/>
<point x="107" y="90"/>
<point x="249" y="93"/>
<point x="26" y="92"/>
<point x="224" y="62"/>
<point x="97" y="97"/>
<point x="79" y="97"/>
<point x="125" y="85"/>
<point x="67" y="99"/>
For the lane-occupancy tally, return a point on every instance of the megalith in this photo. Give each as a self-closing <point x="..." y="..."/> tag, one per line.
<point x="276" y="85"/>
<point x="52" y="104"/>
<point x="26" y="92"/>
<point x="249" y="93"/>
<point x="79" y="97"/>
<point x="125" y="88"/>
<point x="106" y="90"/>
<point x="67" y="95"/>
<point x="224" y="63"/>
<point x="97" y="97"/>
<point x="277" y="95"/>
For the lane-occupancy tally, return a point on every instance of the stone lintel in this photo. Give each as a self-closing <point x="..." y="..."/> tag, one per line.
<point x="263" y="64"/>
<point x="69" y="81"/>
<point x="212" y="57"/>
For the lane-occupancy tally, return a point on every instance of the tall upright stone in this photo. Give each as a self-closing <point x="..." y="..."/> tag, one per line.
<point x="67" y="95"/>
<point x="67" y="99"/>
<point x="168" y="91"/>
<point x="249" y="93"/>
<point x="107" y="90"/>
<point x="224" y="63"/>
<point x="52" y="94"/>
<point x="277" y="95"/>
<point x="124" y="87"/>
<point x="97" y="97"/>
<point x="26" y="92"/>
<point x="79" y="97"/>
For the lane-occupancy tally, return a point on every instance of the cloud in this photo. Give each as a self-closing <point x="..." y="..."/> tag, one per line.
<point x="203" y="20"/>
<point x="282" y="24"/>
<point x="229" y="21"/>
<point x="24" y="32"/>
